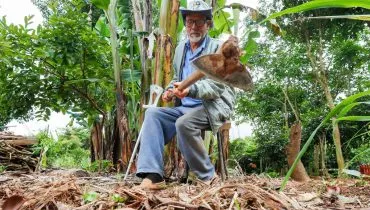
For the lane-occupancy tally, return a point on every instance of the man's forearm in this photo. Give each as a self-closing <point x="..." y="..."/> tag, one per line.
<point x="207" y="89"/>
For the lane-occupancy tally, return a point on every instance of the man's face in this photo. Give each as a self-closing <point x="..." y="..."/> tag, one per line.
<point x="196" y="27"/>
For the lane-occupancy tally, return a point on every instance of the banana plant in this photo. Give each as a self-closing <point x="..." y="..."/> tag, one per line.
<point x="166" y="41"/>
<point x="130" y="73"/>
<point x="124" y="145"/>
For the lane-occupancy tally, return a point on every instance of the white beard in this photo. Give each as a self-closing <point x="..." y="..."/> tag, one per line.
<point x="195" y="39"/>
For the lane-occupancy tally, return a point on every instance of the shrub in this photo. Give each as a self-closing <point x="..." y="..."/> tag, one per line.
<point x="244" y="151"/>
<point x="68" y="151"/>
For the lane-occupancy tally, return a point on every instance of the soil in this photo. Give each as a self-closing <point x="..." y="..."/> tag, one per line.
<point x="76" y="189"/>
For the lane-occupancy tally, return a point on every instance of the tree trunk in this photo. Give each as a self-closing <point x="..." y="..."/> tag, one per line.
<point x="316" y="160"/>
<point x="170" y="159"/>
<point x="320" y="73"/>
<point x="96" y="142"/>
<point x="224" y="137"/>
<point x="299" y="173"/>
<point x="336" y="132"/>
<point x="123" y="129"/>
<point x="322" y="143"/>
<point x="102" y="141"/>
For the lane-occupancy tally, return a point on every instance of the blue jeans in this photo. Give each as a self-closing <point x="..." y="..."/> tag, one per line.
<point x="160" y="126"/>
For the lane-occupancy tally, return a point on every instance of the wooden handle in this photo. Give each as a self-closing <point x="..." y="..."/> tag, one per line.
<point x="193" y="78"/>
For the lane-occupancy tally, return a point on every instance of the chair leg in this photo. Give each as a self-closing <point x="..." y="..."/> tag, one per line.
<point x="185" y="176"/>
<point x="221" y="156"/>
<point x="224" y="155"/>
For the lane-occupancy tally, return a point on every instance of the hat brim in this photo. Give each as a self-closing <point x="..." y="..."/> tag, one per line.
<point x="207" y="13"/>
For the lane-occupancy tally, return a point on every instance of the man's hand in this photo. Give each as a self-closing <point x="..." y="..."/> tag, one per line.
<point x="167" y="95"/>
<point x="180" y="93"/>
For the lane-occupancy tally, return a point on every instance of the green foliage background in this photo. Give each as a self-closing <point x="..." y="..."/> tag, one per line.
<point x="69" y="150"/>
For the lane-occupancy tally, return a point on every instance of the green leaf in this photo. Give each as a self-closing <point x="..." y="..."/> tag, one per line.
<point x="220" y="19"/>
<point x="118" y="199"/>
<point x="220" y="3"/>
<point x="124" y="6"/>
<point x="346" y="109"/>
<point x="318" y="4"/>
<point x="131" y="76"/>
<point x="180" y="25"/>
<point x="354" y="118"/>
<point x="101" y="4"/>
<point x="183" y="3"/>
<point x="254" y="34"/>
<point x="213" y="32"/>
<point x="344" y="103"/>
<point x="250" y="47"/>
<point x="353" y="17"/>
<point x="360" y="154"/>
<point x="250" y="50"/>
<point x="92" y="80"/>
<point x="6" y="61"/>
<point x="102" y="27"/>
<point x="140" y="33"/>
<point x="90" y="196"/>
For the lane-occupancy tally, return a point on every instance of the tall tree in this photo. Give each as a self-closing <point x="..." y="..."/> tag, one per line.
<point x="283" y="63"/>
<point x="321" y="38"/>
<point x="55" y="69"/>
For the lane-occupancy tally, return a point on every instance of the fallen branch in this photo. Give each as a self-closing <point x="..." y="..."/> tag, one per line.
<point x="189" y="206"/>
<point x="16" y="158"/>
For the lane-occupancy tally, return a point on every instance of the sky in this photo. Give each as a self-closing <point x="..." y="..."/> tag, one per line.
<point x="15" y="11"/>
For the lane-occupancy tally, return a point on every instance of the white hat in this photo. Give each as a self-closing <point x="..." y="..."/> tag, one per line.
<point x="197" y="6"/>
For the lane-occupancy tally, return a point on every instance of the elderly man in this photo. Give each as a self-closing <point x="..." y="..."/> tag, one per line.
<point x="204" y="105"/>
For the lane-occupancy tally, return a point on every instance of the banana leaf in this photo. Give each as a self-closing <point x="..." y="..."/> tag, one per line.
<point x="352" y="17"/>
<point x="319" y="4"/>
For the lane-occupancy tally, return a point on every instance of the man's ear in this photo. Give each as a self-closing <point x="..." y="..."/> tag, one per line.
<point x="209" y="23"/>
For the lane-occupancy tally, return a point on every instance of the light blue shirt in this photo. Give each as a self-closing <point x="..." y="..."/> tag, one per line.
<point x="188" y="69"/>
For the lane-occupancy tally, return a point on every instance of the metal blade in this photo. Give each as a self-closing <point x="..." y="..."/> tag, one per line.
<point x="231" y="73"/>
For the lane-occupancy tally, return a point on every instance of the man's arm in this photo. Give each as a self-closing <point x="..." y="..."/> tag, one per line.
<point x="208" y="89"/>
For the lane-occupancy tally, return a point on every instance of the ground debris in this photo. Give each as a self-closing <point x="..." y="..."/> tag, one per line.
<point x="69" y="191"/>
<point x="15" y="152"/>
